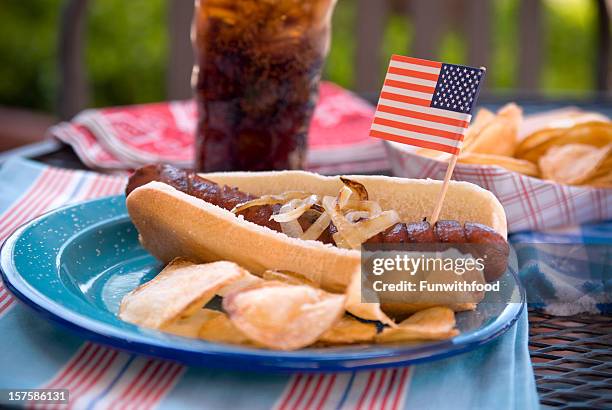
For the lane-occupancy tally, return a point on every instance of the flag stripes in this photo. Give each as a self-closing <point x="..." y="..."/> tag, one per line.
<point x="397" y="59"/>
<point x="430" y="119"/>
<point x="424" y="96"/>
<point x="404" y="99"/>
<point x="410" y="86"/>
<point x="413" y="126"/>
<point x="413" y="73"/>
<point x="427" y="110"/>
<point x="435" y="126"/>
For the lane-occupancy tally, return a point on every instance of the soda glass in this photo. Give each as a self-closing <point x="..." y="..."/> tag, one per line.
<point x="256" y="78"/>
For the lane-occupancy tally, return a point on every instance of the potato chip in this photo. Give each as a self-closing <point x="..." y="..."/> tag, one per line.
<point x="400" y="311"/>
<point x="604" y="181"/>
<point x="180" y="289"/>
<point x="497" y="135"/>
<point x="576" y="164"/>
<point x="219" y="328"/>
<point x="288" y="277"/>
<point x="571" y="119"/>
<point x="558" y="119"/>
<point x="190" y="326"/>
<point x="482" y="118"/>
<point x="435" y="323"/>
<point x="602" y="178"/>
<point x="512" y="164"/>
<point x="245" y="281"/>
<point x="281" y="316"/>
<point x="349" y="330"/>
<point x="595" y="133"/>
<point x="367" y="311"/>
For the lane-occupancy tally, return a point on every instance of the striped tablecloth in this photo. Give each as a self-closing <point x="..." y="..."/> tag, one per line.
<point x="36" y="354"/>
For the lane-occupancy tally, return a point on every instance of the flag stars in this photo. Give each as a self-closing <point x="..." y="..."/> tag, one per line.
<point x="456" y="88"/>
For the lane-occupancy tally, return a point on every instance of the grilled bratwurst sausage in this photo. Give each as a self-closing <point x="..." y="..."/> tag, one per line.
<point x="494" y="246"/>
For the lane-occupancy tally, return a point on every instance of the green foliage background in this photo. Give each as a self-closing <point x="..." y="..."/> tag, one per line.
<point x="127" y="49"/>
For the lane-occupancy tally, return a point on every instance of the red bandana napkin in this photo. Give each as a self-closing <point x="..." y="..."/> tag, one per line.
<point x="131" y="136"/>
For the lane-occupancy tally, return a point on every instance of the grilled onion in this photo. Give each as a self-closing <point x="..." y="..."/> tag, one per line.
<point x="331" y="206"/>
<point x="271" y="200"/>
<point x="343" y="198"/>
<point x="317" y="228"/>
<point x="356" y="187"/>
<point x="352" y="234"/>
<point x="355" y="217"/>
<point x="361" y="231"/>
<point x="292" y="228"/>
<point x="354" y="196"/>
<point x="367" y="206"/>
<point x="295" y="208"/>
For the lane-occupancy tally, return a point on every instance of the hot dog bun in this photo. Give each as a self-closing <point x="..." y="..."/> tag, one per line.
<point x="413" y="199"/>
<point x="172" y="223"/>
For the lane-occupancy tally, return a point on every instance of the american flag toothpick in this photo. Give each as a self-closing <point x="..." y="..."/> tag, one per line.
<point x="427" y="104"/>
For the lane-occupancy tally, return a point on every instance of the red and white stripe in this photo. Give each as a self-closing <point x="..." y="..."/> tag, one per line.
<point x="374" y="390"/>
<point x="100" y="186"/>
<point x="48" y="191"/>
<point x="92" y="368"/>
<point x="143" y="385"/>
<point x="6" y="300"/>
<point x="87" y="148"/>
<point x="382" y="389"/>
<point x="86" y="369"/>
<point x="91" y="363"/>
<point x="404" y="114"/>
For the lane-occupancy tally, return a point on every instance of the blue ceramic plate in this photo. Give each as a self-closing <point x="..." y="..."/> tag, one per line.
<point x="73" y="265"/>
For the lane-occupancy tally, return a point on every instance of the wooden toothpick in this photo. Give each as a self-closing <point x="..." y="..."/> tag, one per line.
<point x="449" y="172"/>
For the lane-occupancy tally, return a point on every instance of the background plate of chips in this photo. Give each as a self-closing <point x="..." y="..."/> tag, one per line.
<point x="548" y="170"/>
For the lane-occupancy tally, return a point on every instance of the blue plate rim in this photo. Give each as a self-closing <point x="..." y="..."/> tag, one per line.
<point x="305" y="360"/>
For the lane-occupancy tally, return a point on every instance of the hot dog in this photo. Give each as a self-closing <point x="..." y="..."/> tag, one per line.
<point x="229" y="198"/>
